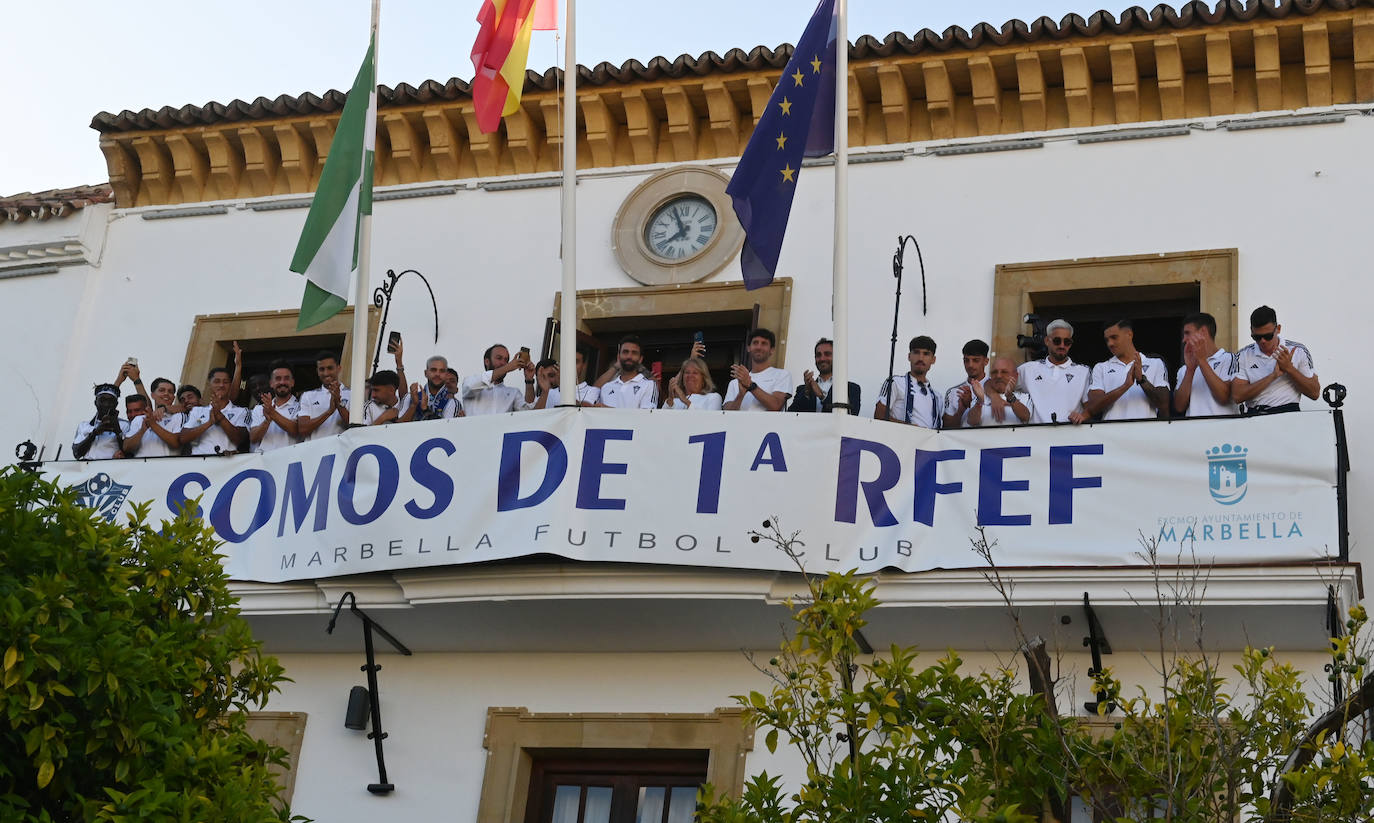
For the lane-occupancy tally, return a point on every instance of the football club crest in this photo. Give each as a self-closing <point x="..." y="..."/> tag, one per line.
<point x="1226" y="473"/>
<point x="103" y="494"/>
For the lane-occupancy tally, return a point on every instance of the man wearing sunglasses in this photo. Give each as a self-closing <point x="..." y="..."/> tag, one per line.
<point x="1272" y="374"/>
<point x="1057" y="386"/>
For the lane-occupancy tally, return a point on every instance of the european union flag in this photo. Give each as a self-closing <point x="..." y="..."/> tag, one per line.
<point x="799" y="122"/>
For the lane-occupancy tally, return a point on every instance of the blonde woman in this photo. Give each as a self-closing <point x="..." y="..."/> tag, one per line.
<point x="693" y="389"/>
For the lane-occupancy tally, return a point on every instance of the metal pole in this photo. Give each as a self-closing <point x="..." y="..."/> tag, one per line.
<point x="357" y="373"/>
<point x="382" y="786"/>
<point x="567" y="322"/>
<point x="840" y="298"/>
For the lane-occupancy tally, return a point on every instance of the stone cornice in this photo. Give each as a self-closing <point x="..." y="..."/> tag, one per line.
<point x="1147" y="66"/>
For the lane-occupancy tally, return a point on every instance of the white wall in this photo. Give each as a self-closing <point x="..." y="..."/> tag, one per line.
<point x="434" y="709"/>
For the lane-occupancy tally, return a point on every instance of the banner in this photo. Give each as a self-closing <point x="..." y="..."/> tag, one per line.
<point x="687" y="488"/>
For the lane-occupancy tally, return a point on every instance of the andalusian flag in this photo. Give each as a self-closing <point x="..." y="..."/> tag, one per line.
<point x="499" y="58"/>
<point x="327" y="253"/>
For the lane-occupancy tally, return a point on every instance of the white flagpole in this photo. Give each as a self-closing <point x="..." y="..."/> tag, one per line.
<point x="357" y="373"/>
<point x="567" y="319"/>
<point x="840" y="298"/>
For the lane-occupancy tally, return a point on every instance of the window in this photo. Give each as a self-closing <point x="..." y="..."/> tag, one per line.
<point x="615" y="787"/>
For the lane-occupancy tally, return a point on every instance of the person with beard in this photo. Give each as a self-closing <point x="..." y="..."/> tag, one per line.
<point x="759" y="387"/>
<point x="1058" y="387"/>
<point x="814" y="394"/>
<point x="486" y="392"/>
<point x="274" y="422"/>
<point x="909" y="398"/>
<point x="101" y="437"/>
<point x="436" y="398"/>
<point x="998" y="402"/>
<point x="959" y="399"/>
<point x="626" y="386"/>
<point x="153" y="432"/>
<point x="220" y="426"/>
<point x="1129" y="386"/>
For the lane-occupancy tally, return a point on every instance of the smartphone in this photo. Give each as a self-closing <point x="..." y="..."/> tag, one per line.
<point x="699" y="338"/>
<point x="392" y="341"/>
<point x="132" y="361"/>
<point x="525" y="352"/>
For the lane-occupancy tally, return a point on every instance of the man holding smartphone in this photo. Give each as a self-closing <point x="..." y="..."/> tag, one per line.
<point x="486" y="392"/>
<point x="101" y="437"/>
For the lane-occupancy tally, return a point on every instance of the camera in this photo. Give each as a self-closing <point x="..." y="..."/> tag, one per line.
<point x="1033" y="343"/>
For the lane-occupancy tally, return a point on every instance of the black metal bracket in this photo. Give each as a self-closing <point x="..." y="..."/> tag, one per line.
<point x="382" y="786"/>
<point x="381" y="298"/>
<point x="27" y="455"/>
<point x="1334" y="395"/>
<point x="1335" y="629"/>
<point x="898" y="266"/>
<point x="1096" y="641"/>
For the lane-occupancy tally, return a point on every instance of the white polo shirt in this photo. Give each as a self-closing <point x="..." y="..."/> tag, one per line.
<point x="1134" y="404"/>
<point x="104" y="446"/>
<point x="1056" y="390"/>
<point x="373" y="409"/>
<point x="770" y="380"/>
<point x="951" y="401"/>
<point x="639" y="392"/>
<point x="481" y="396"/>
<point x="214" y="440"/>
<point x="706" y="401"/>
<point x="1201" y="403"/>
<point x="275" y="437"/>
<point x="1009" y="417"/>
<point x="313" y="405"/>
<point x="151" y="445"/>
<point x="586" y="393"/>
<point x="912" y="401"/>
<point x="1252" y="365"/>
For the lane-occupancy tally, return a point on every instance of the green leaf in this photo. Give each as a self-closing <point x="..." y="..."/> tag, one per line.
<point x="45" y="773"/>
<point x="771" y="741"/>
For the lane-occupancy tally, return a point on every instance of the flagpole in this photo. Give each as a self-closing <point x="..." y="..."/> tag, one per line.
<point x="840" y="296"/>
<point x="357" y="373"/>
<point x="567" y="319"/>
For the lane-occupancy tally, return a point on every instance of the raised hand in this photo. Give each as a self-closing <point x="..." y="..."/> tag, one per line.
<point x="698" y="349"/>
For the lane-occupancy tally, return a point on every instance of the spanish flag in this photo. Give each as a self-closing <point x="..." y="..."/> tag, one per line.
<point x="499" y="57"/>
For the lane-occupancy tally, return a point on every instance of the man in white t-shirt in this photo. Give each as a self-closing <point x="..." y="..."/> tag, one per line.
<point x="273" y="423"/>
<point x="219" y="426"/>
<point x="550" y="395"/>
<point x="486" y="391"/>
<point x="959" y="399"/>
<point x="152" y="432"/>
<point x="998" y="402"/>
<point x="1273" y="374"/>
<point x="389" y="404"/>
<point x="910" y="398"/>
<point x="625" y="386"/>
<point x="1202" y="387"/>
<point x="759" y="387"/>
<point x="1057" y="386"/>
<point x="101" y="437"/>
<point x="1129" y="386"/>
<point x="324" y="411"/>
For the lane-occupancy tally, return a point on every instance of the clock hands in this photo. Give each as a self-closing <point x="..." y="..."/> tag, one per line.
<point x="681" y="229"/>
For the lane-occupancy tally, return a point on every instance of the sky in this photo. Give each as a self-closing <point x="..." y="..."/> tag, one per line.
<point x="70" y="59"/>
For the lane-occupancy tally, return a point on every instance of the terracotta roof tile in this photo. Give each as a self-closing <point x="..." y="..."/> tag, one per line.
<point x="52" y="203"/>
<point x="1135" y="19"/>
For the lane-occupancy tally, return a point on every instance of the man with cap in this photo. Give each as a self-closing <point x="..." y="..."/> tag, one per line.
<point x="1057" y="386"/>
<point x="959" y="399"/>
<point x="101" y="437"/>
<point x="909" y="398"/>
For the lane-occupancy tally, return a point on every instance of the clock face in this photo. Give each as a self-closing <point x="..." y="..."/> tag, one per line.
<point x="681" y="228"/>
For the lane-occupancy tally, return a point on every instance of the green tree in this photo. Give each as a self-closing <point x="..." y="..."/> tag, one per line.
<point x="126" y="670"/>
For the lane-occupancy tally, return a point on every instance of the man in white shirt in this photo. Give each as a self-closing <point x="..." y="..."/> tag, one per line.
<point x="1057" y="386"/>
<point x="1273" y="374"/>
<point x="998" y="402"/>
<point x="101" y="437"/>
<point x="486" y="392"/>
<point x="815" y="392"/>
<point x="388" y="404"/>
<point x="760" y="387"/>
<point x="273" y="423"/>
<point x="1130" y="386"/>
<point x="550" y="395"/>
<point x="959" y="399"/>
<point x="626" y="386"/>
<point x="909" y="398"/>
<point x="324" y="411"/>
<point x="436" y="400"/>
<point x="1203" y="385"/>
<point x="218" y="427"/>
<point x="152" y="432"/>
